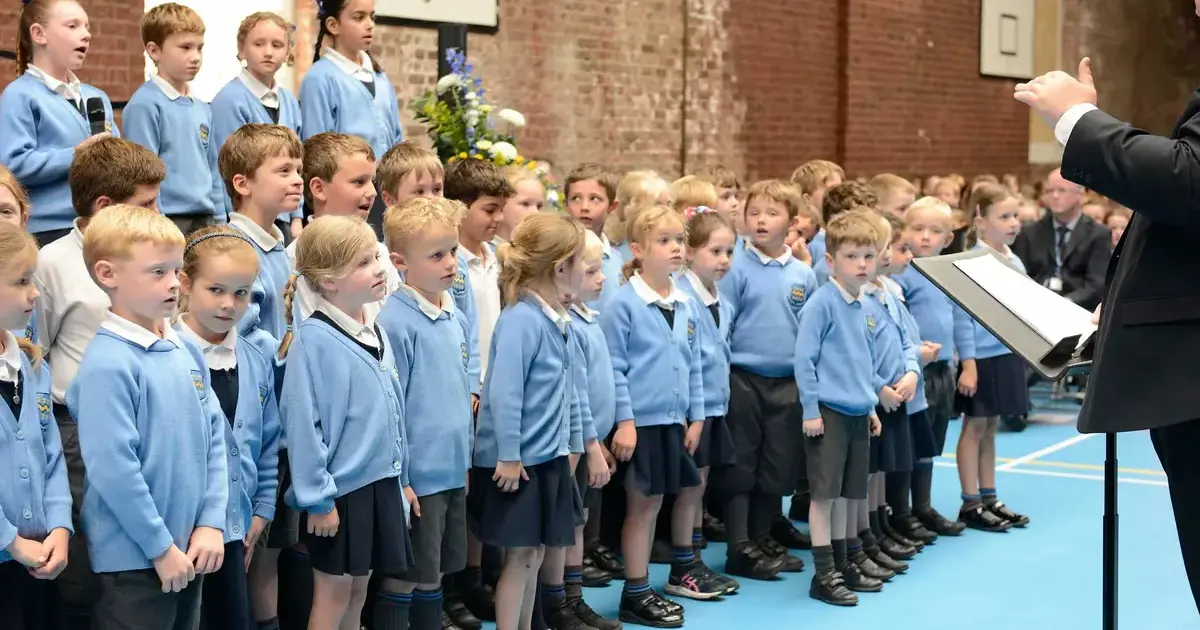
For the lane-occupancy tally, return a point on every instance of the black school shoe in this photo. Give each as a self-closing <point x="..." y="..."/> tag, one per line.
<point x="788" y="562"/>
<point x="595" y="577"/>
<point x="999" y="509"/>
<point x="896" y="549"/>
<point x="714" y="529"/>
<point x="466" y="609"/>
<point x="910" y="527"/>
<point x="604" y="558"/>
<point x="749" y="561"/>
<point x="562" y="617"/>
<point x="870" y="568"/>
<point x="830" y="587"/>
<point x="650" y="609"/>
<point x="584" y="613"/>
<point x="938" y="523"/>
<point x="858" y="581"/>
<point x="787" y="535"/>
<point x="978" y="517"/>
<point x="448" y="623"/>
<point x="886" y="561"/>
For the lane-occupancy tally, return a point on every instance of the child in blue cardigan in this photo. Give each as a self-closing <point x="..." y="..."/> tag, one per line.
<point x="163" y="117"/>
<point x="523" y="495"/>
<point x="653" y="335"/>
<point x="14" y="210"/>
<point x="161" y="504"/>
<point x="35" y="502"/>
<point x="342" y="411"/>
<point x="43" y="112"/>
<point x="219" y="267"/>
<point x="264" y="45"/>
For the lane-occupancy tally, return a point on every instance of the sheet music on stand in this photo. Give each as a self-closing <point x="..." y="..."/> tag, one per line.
<point x="1044" y="311"/>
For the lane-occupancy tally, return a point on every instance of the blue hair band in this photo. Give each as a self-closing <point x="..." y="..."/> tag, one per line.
<point x="200" y="239"/>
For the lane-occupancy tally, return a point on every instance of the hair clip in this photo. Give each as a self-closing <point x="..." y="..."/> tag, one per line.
<point x="691" y="212"/>
<point x="297" y="273"/>
<point x="205" y="237"/>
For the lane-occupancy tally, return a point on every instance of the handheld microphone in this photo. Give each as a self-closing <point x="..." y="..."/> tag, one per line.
<point x="96" y="115"/>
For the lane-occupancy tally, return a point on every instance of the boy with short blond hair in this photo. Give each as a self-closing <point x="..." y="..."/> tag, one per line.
<point x="895" y="193"/>
<point x="162" y="505"/>
<point x="814" y="178"/>
<point x="260" y="166"/>
<point x="70" y="308"/>
<point x="408" y="171"/>
<point x="591" y="194"/>
<point x="163" y="117"/>
<point x="691" y="191"/>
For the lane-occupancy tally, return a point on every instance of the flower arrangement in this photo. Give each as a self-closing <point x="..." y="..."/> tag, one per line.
<point x="464" y="125"/>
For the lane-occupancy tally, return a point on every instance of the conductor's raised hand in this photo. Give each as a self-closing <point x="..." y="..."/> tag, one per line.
<point x="1053" y="93"/>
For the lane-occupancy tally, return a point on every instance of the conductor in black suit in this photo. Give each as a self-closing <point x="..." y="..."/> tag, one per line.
<point x="1066" y="250"/>
<point x="1144" y="374"/>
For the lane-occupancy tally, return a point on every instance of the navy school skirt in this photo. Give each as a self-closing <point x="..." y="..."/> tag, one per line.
<point x="660" y="463"/>
<point x="543" y="510"/>
<point x="372" y="534"/>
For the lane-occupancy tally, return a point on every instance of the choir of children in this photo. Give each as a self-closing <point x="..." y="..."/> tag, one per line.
<point x="384" y="413"/>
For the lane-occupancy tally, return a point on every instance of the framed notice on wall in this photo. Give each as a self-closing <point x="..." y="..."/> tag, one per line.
<point x="480" y="13"/>
<point x="1006" y="38"/>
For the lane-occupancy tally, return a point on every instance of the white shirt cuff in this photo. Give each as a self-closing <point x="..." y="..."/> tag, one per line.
<point x="1066" y="124"/>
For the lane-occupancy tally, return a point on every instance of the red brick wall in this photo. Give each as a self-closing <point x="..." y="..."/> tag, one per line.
<point x="114" y="62"/>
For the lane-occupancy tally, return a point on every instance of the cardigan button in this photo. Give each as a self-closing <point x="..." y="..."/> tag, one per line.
<point x="396" y="465"/>
<point x="24" y="473"/>
<point x="26" y="514"/>
<point x="20" y="434"/>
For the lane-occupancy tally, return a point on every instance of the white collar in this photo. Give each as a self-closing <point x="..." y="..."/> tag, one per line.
<point x="586" y="313"/>
<point x="892" y="287"/>
<point x="846" y="295"/>
<point x="363" y="70"/>
<point x="362" y="332"/>
<point x="77" y="232"/>
<point x="486" y="260"/>
<point x="218" y="356"/>
<point x="71" y="88"/>
<point x="706" y="298"/>
<point x="134" y="333"/>
<point x="609" y="250"/>
<point x="169" y="90"/>
<point x="650" y="296"/>
<point x="559" y="316"/>
<point x="431" y="310"/>
<point x="10" y="360"/>
<point x="266" y="241"/>
<point x="782" y="259"/>
<point x="268" y="96"/>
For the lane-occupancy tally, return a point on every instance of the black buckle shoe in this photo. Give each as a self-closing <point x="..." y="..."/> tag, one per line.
<point x="606" y="559"/>
<point x="787" y="535"/>
<point x="661" y="553"/>
<point x="886" y="561"/>
<point x="909" y="526"/>
<point x="938" y="523"/>
<point x="896" y="549"/>
<point x="562" y="617"/>
<point x="999" y="509"/>
<point x="466" y="609"/>
<point x="858" y="581"/>
<point x="447" y="622"/>
<point x="830" y="587"/>
<point x="798" y="510"/>
<point x="595" y="577"/>
<point x="648" y="609"/>
<point x="978" y="517"/>
<point x="714" y="529"/>
<point x="590" y="617"/>
<point x="749" y="561"/>
<point x="773" y="549"/>
<point x="870" y="568"/>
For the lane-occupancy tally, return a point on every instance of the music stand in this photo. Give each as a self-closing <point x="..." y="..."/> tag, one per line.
<point x="1053" y="362"/>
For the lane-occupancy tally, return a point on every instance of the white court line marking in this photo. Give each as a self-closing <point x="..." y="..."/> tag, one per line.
<point x="1066" y="475"/>
<point x="1053" y="448"/>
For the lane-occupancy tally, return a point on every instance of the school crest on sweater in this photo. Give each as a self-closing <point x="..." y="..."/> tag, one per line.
<point x="466" y="355"/>
<point x="198" y="383"/>
<point x="691" y="331"/>
<point x="204" y="133"/>
<point x="262" y="395"/>
<point x="459" y="286"/>
<point x="796" y="296"/>
<point x="43" y="407"/>
<point x="871" y="323"/>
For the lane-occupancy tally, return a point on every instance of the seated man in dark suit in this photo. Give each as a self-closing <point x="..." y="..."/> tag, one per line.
<point x="1066" y="250"/>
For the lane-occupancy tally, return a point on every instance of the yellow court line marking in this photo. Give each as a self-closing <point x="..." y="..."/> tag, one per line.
<point x="1075" y="466"/>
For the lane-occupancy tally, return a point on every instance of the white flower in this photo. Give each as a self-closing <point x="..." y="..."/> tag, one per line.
<point x="504" y="150"/>
<point x="447" y="83"/>
<point x="471" y="97"/>
<point x="472" y="116"/>
<point x="552" y="197"/>
<point x="483" y="145"/>
<point x="512" y="117"/>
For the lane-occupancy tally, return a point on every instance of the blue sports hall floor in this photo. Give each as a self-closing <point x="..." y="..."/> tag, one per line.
<point x="1045" y="576"/>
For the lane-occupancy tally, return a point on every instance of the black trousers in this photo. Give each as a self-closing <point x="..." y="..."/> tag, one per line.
<point x="1176" y="447"/>
<point x="27" y="603"/>
<point x="79" y="587"/>
<point x="225" y="600"/>
<point x="133" y="600"/>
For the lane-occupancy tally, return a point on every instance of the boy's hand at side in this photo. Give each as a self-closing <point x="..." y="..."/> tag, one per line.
<point x="814" y="427"/>
<point x="889" y="398"/>
<point x="206" y="549"/>
<point x="54" y="548"/>
<point x="174" y="570"/>
<point x="258" y="525"/>
<point x="876" y="425"/>
<point x="414" y="504"/>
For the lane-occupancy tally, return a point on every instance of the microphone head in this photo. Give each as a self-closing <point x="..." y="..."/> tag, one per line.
<point x="95" y="108"/>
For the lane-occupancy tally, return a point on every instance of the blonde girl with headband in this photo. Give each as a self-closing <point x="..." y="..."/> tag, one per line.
<point x="529" y="197"/>
<point x="637" y="189"/>
<point x="34" y="542"/>
<point x="219" y="267"/>
<point x="654" y="338"/>
<point x="264" y="41"/>
<point x="341" y="408"/>
<point x="523" y="497"/>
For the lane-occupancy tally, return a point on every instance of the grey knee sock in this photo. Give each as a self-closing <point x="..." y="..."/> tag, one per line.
<point x="392" y="609"/>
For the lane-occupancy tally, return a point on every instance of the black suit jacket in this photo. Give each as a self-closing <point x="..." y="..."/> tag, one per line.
<point x="1144" y="374"/>
<point x="1085" y="257"/>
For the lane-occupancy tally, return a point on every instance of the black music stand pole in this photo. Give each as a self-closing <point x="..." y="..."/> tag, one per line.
<point x="1110" y="531"/>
